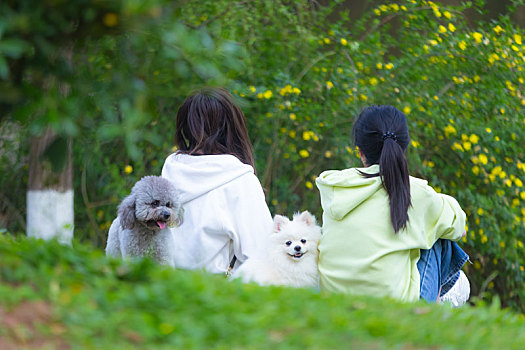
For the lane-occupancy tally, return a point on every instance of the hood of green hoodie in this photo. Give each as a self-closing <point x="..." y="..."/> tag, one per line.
<point x="343" y="190"/>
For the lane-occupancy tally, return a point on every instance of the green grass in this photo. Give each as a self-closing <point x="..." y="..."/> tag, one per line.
<point x="99" y="303"/>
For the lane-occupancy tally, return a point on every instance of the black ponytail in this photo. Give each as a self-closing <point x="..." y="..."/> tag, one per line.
<point x="381" y="133"/>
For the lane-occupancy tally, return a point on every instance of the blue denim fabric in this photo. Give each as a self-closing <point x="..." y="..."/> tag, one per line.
<point x="439" y="268"/>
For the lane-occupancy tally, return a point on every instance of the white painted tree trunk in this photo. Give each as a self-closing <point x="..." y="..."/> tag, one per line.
<point x="50" y="196"/>
<point x="50" y="215"/>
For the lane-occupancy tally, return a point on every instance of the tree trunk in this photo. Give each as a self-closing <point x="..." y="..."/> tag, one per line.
<point x="50" y="191"/>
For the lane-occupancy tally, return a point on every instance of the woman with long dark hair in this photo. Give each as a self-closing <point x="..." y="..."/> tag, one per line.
<point x="386" y="233"/>
<point x="226" y="218"/>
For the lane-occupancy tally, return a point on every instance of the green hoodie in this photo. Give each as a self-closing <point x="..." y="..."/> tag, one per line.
<point x="359" y="253"/>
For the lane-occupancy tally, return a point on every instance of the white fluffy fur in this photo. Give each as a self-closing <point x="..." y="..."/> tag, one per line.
<point x="289" y="238"/>
<point x="142" y="227"/>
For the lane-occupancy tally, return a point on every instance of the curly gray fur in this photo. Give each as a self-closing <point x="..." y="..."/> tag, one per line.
<point x="142" y="227"/>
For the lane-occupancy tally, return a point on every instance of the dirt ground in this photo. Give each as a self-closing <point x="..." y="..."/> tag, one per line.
<point x="30" y="325"/>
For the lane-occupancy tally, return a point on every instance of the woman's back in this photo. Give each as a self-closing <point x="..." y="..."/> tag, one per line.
<point x="225" y="212"/>
<point x="359" y="252"/>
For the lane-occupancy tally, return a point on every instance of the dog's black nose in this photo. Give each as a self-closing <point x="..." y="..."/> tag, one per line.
<point x="166" y="214"/>
<point x="297" y="248"/>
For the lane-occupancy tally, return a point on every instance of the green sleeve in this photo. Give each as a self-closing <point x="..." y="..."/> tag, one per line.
<point x="446" y="220"/>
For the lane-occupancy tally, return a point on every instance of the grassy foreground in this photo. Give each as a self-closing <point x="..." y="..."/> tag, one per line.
<point x="58" y="297"/>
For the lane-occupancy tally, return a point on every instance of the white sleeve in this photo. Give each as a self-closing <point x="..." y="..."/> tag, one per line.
<point x="251" y="219"/>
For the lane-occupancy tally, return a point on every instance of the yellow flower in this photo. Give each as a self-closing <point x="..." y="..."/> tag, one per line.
<point x="377" y="12"/>
<point x="480" y="211"/>
<point x="475" y="169"/>
<point x="483" y="159"/>
<point x="489" y="130"/>
<point x="309" y="185"/>
<point x="293" y="116"/>
<point x="496" y="170"/>
<point x="344" y="42"/>
<point x="296" y="91"/>
<point x="373" y="81"/>
<point x="326" y="41"/>
<point x="477" y="36"/>
<point x="451" y="27"/>
<point x="522" y="195"/>
<point x="304" y="153"/>
<point x="442" y="29"/>
<point x="474" y="138"/>
<point x="467" y="146"/>
<point x="389" y="66"/>
<point x="110" y="19"/>
<point x="329" y="85"/>
<point x="518" y="182"/>
<point x="307" y="135"/>
<point x="260" y="95"/>
<point x="292" y="134"/>
<point x="128" y="169"/>
<point x="498" y="29"/>
<point x="517" y="39"/>
<point x="415" y="144"/>
<point x="379" y="65"/>
<point x="407" y="110"/>
<point x="268" y="94"/>
<point x="462" y="45"/>
<point x="457" y="146"/>
<point x="447" y="14"/>
<point x="252" y="88"/>
<point x="449" y="129"/>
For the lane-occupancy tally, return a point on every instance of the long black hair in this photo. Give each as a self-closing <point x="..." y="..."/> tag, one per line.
<point x="210" y="122"/>
<point x="381" y="133"/>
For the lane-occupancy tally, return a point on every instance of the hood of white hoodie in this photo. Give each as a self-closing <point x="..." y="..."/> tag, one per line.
<point x="194" y="176"/>
<point x="343" y="190"/>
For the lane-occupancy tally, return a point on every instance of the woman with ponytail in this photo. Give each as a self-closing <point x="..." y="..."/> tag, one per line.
<point x="386" y="233"/>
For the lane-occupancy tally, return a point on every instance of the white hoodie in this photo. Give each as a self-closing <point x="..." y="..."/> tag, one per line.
<point x="225" y="212"/>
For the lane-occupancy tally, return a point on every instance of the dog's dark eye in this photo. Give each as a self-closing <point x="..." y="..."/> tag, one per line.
<point x="155" y="203"/>
<point x="303" y="241"/>
<point x="168" y="204"/>
<point x="289" y="243"/>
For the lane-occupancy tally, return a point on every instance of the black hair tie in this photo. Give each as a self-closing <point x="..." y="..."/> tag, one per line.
<point x="389" y="135"/>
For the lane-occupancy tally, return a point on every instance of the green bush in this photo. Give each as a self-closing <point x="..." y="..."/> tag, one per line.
<point x="301" y="74"/>
<point x="101" y="303"/>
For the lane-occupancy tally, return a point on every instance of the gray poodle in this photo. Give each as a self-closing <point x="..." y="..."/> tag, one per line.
<point x="142" y="227"/>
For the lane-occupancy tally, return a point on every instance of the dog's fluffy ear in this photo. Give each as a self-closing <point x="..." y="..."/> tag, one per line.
<point x="306" y="217"/>
<point x="278" y="222"/>
<point x="126" y="212"/>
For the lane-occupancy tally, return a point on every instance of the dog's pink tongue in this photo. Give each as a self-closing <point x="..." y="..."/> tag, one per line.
<point x="161" y="224"/>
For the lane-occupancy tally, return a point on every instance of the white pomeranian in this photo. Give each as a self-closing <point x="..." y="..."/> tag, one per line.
<point x="292" y="256"/>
